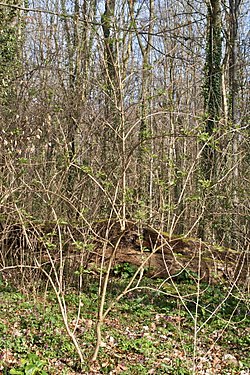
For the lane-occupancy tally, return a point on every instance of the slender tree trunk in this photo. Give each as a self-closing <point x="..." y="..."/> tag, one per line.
<point x="234" y="7"/>
<point x="145" y="147"/>
<point x="233" y="92"/>
<point x="111" y="85"/>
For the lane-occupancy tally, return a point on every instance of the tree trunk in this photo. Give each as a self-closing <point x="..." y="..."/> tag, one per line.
<point x="212" y="102"/>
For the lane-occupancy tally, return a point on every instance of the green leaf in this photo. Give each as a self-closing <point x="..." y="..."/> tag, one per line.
<point x="16" y="372"/>
<point x="31" y="369"/>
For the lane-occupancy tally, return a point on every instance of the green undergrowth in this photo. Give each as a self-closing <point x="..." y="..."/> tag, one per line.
<point x="150" y="331"/>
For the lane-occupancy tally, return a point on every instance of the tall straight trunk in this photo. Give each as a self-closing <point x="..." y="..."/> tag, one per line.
<point x="72" y="38"/>
<point x="213" y="85"/>
<point x="78" y="38"/>
<point x="233" y="118"/>
<point x="145" y="185"/>
<point x="11" y="42"/>
<point x="109" y="46"/>
<point x="212" y="106"/>
<point x="233" y="32"/>
<point x="111" y="86"/>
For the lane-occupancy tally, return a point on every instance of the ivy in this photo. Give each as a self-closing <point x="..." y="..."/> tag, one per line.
<point x="9" y="53"/>
<point x="212" y="85"/>
<point x="212" y="69"/>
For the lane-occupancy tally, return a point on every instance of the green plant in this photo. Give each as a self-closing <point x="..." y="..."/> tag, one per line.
<point x="188" y="277"/>
<point x="141" y="345"/>
<point x="176" y="369"/>
<point x="124" y="270"/>
<point x="32" y="365"/>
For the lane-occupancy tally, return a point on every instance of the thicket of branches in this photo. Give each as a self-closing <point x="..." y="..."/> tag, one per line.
<point x="127" y="109"/>
<point x="128" y="112"/>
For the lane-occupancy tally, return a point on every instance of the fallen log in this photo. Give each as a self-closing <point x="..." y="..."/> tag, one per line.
<point x="158" y="254"/>
<point x="162" y="256"/>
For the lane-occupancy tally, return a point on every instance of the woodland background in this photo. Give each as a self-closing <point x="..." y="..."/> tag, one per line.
<point x="127" y="109"/>
<point x="124" y="133"/>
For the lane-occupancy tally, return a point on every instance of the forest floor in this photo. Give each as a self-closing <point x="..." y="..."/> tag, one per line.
<point x="147" y="332"/>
